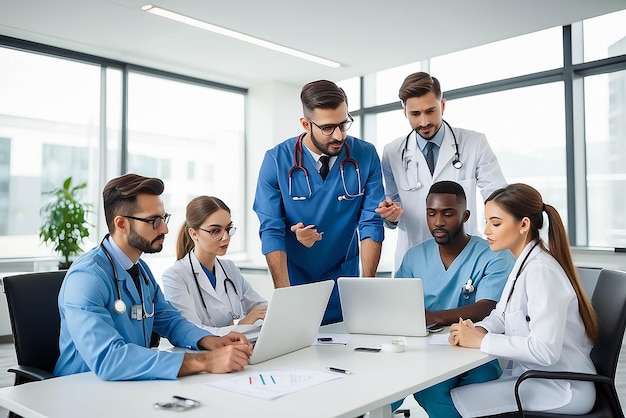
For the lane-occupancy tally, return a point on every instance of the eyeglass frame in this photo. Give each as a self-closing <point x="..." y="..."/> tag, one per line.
<point x="348" y="121"/>
<point x="229" y="229"/>
<point x="152" y="220"/>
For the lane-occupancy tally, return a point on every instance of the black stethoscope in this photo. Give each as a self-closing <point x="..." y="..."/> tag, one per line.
<point x="456" y="162"/>
<point x="119" y="306"/>
<point x="227" y="280"/>
<point x="298" y="158"/>
<point x="519" y="271"/>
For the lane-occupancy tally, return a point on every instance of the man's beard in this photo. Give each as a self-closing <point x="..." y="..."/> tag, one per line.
<point x="137" y="241"/>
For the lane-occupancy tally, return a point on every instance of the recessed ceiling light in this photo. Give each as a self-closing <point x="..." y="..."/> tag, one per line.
<point x="237" y="35"/>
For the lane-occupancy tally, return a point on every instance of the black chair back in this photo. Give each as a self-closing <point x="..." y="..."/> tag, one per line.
<point x="609" y="302"/>
<point x="34" y="313"/>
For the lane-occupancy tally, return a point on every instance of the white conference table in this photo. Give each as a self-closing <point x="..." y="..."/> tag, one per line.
<point x="377" y="379"/>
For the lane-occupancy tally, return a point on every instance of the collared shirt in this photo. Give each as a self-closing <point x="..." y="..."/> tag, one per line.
<point x="437" y="139"/>
<point x="318" y="163"/>
<point x="117" y="253"/>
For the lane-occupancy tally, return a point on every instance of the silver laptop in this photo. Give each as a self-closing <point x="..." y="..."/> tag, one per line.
<point x="292" y="320"/>
<point x="383" y="306"/>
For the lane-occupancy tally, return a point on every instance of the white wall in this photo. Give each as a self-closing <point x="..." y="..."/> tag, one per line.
<point x="274" y="112"/>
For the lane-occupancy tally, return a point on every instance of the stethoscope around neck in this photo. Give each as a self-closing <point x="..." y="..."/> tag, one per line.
<point x="519" y="272"/>
<point x="456" y="162"/>
<point x="227" y="281"/>
<point x="119" y="306"/>
<point x="298" y="158"/>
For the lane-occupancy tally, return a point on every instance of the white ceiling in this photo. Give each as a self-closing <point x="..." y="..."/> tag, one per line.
<point x="363" y="35"/>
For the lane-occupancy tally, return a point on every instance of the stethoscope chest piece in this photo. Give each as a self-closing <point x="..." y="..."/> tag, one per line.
<point x="119" y="306"/>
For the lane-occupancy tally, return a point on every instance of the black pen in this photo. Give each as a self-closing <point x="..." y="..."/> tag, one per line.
<point x="334" y="369"/>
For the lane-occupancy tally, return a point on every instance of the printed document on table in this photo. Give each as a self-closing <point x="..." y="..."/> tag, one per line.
<point x="272" y="384"/>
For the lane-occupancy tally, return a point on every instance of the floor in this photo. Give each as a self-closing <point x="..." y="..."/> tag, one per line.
<point x="7" y="359"/>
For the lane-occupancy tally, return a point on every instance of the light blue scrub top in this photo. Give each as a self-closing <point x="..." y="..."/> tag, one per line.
<point x="337" y="253"/>
<point x="488" y="270"/>
<point x="114" y="346"/>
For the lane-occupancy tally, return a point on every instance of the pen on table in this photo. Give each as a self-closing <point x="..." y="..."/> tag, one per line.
<point x="335" y="369"/>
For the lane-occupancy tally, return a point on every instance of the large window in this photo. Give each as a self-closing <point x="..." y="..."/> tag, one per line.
<point x="517" y="56"/>
<point x="526" y="133"/>
<point x="63" y="117"/>
<point x="192" y="137"/>
<point x="558" y="127"/>
<point x="605" y="122"/>
<point x="49" y="130"/>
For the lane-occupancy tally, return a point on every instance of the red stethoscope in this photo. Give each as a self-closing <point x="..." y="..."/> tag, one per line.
<point x="298" y="157"/>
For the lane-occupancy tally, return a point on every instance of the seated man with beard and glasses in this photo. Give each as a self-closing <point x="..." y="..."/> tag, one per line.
<point x="462" y="278"/>
<point x="110" y="303"/>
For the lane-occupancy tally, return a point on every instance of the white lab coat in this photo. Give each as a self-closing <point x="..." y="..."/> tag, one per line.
<point x="179" y="288"/>
<point x="554" y="339"/>
<point x="480" y="169"/>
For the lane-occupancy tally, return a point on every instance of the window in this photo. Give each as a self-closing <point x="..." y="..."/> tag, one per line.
<point x="605" y="122"/>
<point x="52" y="126"/>
<point x="388" y="82"/>
<point x="192" y="137"/>
<point x="517" y="56"/>
<point x="605" y="36"/>
<point x="49" y="130"/>
<point x="526" y="130"/>
<point x="352" y="87"/>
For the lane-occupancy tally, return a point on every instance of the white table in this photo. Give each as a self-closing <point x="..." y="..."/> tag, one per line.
<point x="377" y="379"/>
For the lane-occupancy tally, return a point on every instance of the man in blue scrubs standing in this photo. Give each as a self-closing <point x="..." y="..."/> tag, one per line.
<point x="316" y="198"/>
<point x="109" y="301"/>
<point x="462" y="277"/>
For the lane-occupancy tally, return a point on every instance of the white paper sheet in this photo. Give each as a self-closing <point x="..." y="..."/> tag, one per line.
<point x="272" y="384"/>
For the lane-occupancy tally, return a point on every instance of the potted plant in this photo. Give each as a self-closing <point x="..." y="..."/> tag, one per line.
<point x="64" y="221"/>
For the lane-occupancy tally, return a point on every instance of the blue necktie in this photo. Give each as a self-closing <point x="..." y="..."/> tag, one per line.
<point x="430" y="156"/>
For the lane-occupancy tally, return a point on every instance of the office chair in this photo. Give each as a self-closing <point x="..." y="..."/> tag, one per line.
<point x="609" y="302"/>
<point x="35" y="323"/>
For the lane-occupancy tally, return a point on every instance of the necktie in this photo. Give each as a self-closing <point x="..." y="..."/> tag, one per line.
<point x="134" y="273"/>
<point x="430" y="156"/>
<point x="324" y="159"/>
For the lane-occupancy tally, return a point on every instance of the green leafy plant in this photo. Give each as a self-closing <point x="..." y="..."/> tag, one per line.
<point x="65" y="221"/>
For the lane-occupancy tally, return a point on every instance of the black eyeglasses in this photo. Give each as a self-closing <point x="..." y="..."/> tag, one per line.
<point x="328" y="130"/>
<point x="218" y="233"/>
<point x="155" y="220"/>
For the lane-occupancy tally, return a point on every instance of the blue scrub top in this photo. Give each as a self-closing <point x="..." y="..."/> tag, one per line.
<point x="115" y="346"/>
<point x="337" y="254"/>
<point x="488" y="270"/>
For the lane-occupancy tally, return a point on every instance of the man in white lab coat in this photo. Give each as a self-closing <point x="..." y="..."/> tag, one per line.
<point x="457" y="154"/>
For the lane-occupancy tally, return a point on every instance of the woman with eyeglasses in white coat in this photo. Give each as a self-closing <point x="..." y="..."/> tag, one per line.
<point x="210" y="291"/>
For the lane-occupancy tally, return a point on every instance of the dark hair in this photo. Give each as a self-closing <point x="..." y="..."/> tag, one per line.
<point x="198" y="209"/>
<point x="120" y="195"/>
<point x="321" y="94"/>
<point x="417" y="85"/>
<point x="523" y="201"/>
<point x="449" y="187"/>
